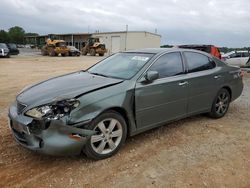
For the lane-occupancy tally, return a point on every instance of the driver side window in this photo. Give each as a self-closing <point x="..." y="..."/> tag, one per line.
<point x="168" y="65"/>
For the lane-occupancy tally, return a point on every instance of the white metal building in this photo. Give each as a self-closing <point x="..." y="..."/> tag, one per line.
<point x="128" y="40"/>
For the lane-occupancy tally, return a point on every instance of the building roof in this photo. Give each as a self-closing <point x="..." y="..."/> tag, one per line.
<point x="94" y="33"/>
<point x="59" y="35"/>
<point x="113" y="32"/>
<point x="62" y="34"/>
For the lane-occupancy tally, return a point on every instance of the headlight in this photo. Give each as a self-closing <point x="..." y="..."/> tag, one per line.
<point x="55" y="110"/>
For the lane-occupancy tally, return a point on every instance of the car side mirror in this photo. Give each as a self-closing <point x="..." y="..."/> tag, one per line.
<point x="151" y="76"/>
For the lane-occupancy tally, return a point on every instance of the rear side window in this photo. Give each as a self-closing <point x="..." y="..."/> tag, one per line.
<point x="235" y="55"/>
<point x="245" y="54"/>
<point x="168" y="65"/>
<point x="198" y="62"/>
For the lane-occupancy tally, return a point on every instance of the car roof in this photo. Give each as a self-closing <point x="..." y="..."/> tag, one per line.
<point x="164" y="50"/>
<point x="3" y="44"/>
<point x="195" y="45"/>
<point x="241" y="51"/>
<point x="150" y="50"/>
<point x="236" y="51"/>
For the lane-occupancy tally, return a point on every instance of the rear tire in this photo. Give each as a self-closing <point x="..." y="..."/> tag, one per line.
<point x="101" y="54"/>
<point x="111" y="134"/>
<point x="221" y="104"/>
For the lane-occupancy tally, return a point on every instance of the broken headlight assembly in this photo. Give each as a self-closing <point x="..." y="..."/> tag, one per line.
<point x="55" y="110"/>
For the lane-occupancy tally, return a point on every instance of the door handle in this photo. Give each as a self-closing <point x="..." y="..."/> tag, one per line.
<point x="217" y="76"/>
<point x="183" y="83"/>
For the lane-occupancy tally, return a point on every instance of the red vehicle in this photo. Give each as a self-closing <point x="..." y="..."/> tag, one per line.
<point x="211" y="49"/>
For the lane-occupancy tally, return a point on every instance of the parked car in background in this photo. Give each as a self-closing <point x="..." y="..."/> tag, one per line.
<point x="211" y="49"/>
<point x="237" y="58"/>
<point x="73" y="51"/>
<point x="127" y="93"/>
<point x="20" y="46"/>
<point x="4" y="50"/>
<point x="13" y="49"/>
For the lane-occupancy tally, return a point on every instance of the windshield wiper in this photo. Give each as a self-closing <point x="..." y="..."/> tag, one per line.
<point x="98" y="74"/>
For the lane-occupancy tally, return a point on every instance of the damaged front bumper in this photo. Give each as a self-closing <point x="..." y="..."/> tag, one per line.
<point x="53" y="137"/>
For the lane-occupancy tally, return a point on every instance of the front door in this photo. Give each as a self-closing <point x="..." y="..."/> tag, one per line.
<point x="165" y="98"/>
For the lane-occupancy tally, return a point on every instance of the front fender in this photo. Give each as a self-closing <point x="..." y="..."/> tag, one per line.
<point x="93" y="104"/>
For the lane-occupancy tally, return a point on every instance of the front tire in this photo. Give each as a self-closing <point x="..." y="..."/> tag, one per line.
<point x="84" y="52"/>
<point x="92" y="52"/>
<point x="111" y="134"/>
<point x="221" y="104"/>
<point x="52" y="53"/>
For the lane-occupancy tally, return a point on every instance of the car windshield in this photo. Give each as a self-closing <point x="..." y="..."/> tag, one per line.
<point x="72" y="47"/>
<point x="3" y="45"/>
<point x="121" y="65"/>
<point x="13" y="46"/>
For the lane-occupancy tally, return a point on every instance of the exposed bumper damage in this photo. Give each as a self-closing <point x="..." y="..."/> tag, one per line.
<point x="54" y="137"/>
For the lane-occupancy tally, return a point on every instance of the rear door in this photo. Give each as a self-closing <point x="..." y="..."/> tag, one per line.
<point x="164" y="99"/>
<point x="204" y="80"/>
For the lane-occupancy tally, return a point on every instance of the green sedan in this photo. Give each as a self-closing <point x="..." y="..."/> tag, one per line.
<point x="94" y="111"/>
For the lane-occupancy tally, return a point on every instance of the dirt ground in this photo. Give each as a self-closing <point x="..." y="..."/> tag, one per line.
<point x="194" y="152"/>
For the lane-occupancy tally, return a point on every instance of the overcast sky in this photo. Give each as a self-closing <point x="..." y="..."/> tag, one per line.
<point x="219" y="22"/>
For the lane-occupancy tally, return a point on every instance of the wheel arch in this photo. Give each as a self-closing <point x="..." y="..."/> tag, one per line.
<point x="229" y="90"/>
<point x="124" y="114"/>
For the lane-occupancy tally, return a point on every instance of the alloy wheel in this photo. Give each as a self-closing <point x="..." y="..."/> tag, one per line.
<point x="108" y="137"/>
<point x="222" y="103"/>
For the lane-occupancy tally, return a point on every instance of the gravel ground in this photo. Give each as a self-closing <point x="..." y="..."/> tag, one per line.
<point x="194" y="152"/>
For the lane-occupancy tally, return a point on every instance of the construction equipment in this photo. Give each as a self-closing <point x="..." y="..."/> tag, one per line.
<point x="55" y="47"/>
<point x="93" y="47"/>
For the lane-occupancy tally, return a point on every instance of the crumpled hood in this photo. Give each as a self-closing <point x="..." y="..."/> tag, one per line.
<point x="66" y="86"/>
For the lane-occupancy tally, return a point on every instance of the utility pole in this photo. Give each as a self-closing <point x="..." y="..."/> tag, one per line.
<point x="126" y="37"/>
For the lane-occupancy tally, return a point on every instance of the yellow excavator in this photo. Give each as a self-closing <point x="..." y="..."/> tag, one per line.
<point x="93" y="47"/>
<point x="55" y="47"/>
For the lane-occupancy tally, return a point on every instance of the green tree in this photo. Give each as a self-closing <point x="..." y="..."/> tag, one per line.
<point x="31" y="34"/>
<point x="4" y="36"/>
<point x="16" y="34"/>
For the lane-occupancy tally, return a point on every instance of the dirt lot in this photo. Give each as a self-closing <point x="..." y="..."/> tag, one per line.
<point x="194" y="152"/>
